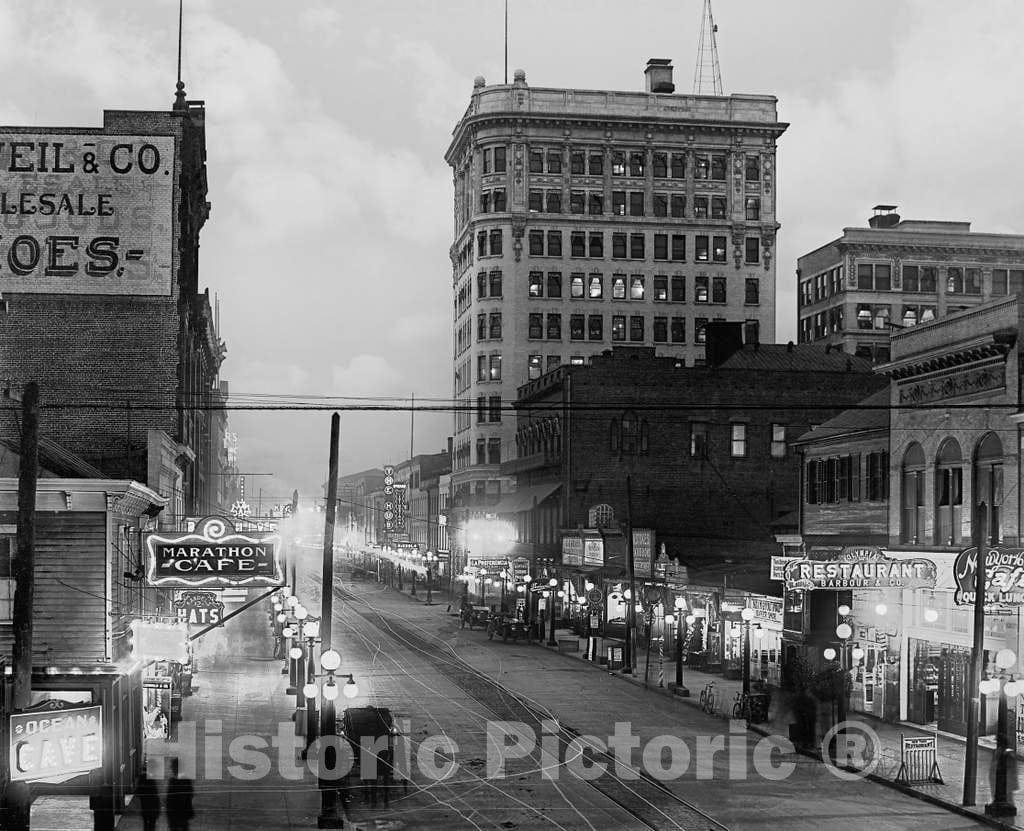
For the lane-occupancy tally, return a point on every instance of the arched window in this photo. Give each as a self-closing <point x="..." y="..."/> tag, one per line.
<point x="988" y="487"/>
<point x="949" y="493"/>
<point x="613" y="433"/>
<point x="912" y="525"/>
<point x="601" y="516"/>
<point x="630" y="430"/>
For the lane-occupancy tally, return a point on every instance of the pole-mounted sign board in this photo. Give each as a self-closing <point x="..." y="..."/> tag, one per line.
<point x="213" y="555"/>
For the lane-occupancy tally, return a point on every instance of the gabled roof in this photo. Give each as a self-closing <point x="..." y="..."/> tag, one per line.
<point x="870" y="414"/>
<point x="803" y="357"/>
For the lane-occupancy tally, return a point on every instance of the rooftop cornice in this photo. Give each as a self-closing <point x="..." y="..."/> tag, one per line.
<point x="982" y="350"/>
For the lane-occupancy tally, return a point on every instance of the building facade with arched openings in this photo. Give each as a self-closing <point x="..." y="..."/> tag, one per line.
<point x="946" y="442"/>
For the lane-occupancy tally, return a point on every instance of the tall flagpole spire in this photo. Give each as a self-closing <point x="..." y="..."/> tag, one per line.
<point x="179" y="95"/>
<point x="506" y="41"/>
<point x="707" y="76"/>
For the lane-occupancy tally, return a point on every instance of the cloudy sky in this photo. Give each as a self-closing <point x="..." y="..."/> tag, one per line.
<point x="327" y="123"/>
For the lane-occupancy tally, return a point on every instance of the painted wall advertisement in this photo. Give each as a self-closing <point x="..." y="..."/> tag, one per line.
<point x="86" y="214"/>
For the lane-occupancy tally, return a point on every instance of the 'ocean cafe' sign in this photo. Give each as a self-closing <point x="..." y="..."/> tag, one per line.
<point x="55" y="745"/>
<point x="859" y="567"/>
<point x="213" y="555"/>
<point x="1004" y="576"/>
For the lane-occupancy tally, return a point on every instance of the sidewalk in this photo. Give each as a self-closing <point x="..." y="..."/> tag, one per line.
<point x="950" y="753"/>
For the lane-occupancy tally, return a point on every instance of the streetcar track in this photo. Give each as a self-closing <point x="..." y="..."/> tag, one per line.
<point x="638" y="797"/>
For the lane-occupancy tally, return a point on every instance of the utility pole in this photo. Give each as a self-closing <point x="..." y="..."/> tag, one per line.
<point x="631" y="605"/>
<point x="977" y="658"/>
<point x="19" y="797"/>
<point x="329" y="757"/>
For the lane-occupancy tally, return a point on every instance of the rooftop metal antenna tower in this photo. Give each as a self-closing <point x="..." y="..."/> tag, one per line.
<point x="707" y="77"/>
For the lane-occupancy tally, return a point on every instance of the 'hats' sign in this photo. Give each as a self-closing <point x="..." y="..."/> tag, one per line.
<point x="213" y="555"/>
<point x="860" y="567"/>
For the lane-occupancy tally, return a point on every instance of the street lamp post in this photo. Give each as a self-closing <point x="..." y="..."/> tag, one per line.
<point x="1006" y="733"/>
<point x="552" y="583"/>
<point x="430" y="558"/>
<point x="680" y="607"/>
<point x="747" y="615"/>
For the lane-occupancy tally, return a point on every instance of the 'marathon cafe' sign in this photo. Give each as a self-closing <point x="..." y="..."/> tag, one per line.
<point x="1004" y="576"/>
<point x="858" y="567"/>
<point x="213" y="555"/>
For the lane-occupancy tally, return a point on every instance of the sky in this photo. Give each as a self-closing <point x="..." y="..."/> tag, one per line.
<point x="327" y="123"/>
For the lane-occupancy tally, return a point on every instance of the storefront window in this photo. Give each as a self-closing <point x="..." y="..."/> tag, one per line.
<point x="793" y="612"/>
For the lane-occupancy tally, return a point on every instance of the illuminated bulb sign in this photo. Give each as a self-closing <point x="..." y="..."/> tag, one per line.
<point x="54" y="744"/>
<point x="859" y="567"/>
<point x="213" y="555"/>
<point x="159" y="641"/>
<point x="1004" y="576"/>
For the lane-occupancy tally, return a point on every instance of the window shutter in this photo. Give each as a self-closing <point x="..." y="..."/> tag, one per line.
<point x="855" y="477"/>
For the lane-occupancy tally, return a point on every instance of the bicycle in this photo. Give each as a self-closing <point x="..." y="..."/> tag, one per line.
<point x="751" y="706"/>
<point x="708" y="698"/>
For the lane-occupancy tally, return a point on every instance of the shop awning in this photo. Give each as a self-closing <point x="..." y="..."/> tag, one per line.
<point x="523" y="499"/>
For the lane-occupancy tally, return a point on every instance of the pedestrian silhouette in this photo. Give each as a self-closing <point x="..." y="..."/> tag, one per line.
<point x="149" y="800"/>
<point x="179" y="800"/>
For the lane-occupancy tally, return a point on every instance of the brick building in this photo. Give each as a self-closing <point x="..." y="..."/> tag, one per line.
<point x="589" y="218"/>
<point x="103" y="308"/>
<point x="857" y="289"/>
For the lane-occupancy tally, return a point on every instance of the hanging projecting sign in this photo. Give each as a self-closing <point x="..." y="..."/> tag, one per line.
<point x="54" y="742"/>
<point x="859" y="567"/>
<point x="199" y="607"/>
<point x="643" y="552"/>
<point x="213" y="555"/>
<point x="86" y="213"/>
<point x="1004" y="576"/>
<point x="572" y="551"/>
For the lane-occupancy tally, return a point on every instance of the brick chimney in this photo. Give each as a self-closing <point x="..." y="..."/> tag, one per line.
<point x="659" y="75"/>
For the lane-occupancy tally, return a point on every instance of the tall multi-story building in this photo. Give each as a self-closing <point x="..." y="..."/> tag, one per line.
<point x="896" y="273"/>
<point x="589" y="218"/>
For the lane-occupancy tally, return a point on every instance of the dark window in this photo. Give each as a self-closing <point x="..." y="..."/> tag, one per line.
<point x="554" y="284"/>
<point x="554" y="161"/>
<point x="500" y="204"/>
<point x="679" y="247"/>
<point x="701" y="249"/>
<point x="495" y="325"/>
<point x="678" y="203"/>
<point x="577" y="202"/>
<point x="578" y="244"/>
<point x="718" y="290"/>
<point x="536" y="201"/>
<point x="481" y="244"/>
<point x="873" y="277"/>
<point x="988" y="496"/>
<point x="618" y="327"/>
<point x="536" y="284"/>
<point x="536" y="161"/>
<point x="753" y="211"/>
<point x="679" y="330"/>
<point x="751" y="331"/>
<point x="661" y="246"/>
<point x="596" y="164"/>
<point x="495" y="280"/>
<point x="636" y="203"/>
<point x="700" y="289"/>
<point x="618" y="246"/>
<point x="536" y="325"/>
<point x="554" y="243"/>
<point x="753" y="250"/>
<point x="718" y="207"/>
<point x="554" y="202"/>
<point x="878" y="476"/>
<point x="576" y="324"/>
<point x="718" y="249"/>
<point x="636" y="164"/>
<point x="703" y="167"/>
<point x="619" y="202"/>
<point x="636" y="246"/>
<point x="577" y="163"/>
<point x="636" y="328"/>
<point x="700" y="334"/>
<point x="485" y="202"/>
<point x="949" y="481"/>
<point x="481" y="284"/>
<point x="912" y="527"/>
<point x="1000" y="282"/>
<point x="660" y="287"/>
<point x="596" y="287"/>
<point x="481" y="327"/>
<point x="595" y="327"/>
<point x="494" y="406"/>
<point x="752" y="296"/>
<point x="554" y="326"/>
<point x="499" y="159"/>
<point x="576" y="287"/>
<point x="753" y="169"/>
<point x="481" y="408"/>
<point x="536" y="243"/>
<point x="595" y="203"/>
<point x="487" y="161"/>
<point x="660" y="330"/>
<point x="972" y="281"/>
<point x="718" y="167"/>
<point x="678" y="289"/>
<point x="659" y="165"/>
<point x="699" y="444"/>
<point x="678" y="166"/>
<point x="494" y="451"/>
<point x="596" y="244"/>
<point x="700" y="207"/>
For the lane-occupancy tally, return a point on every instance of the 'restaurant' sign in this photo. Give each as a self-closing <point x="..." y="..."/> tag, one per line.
<point x="1004" y="576"/>
<point x="54" y="743"/>
<point x="860" y="567"/>
<point x="86" y="213"/>
<point x="213" y="555"/>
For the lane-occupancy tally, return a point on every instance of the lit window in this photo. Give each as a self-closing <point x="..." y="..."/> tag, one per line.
<point x="495" y="367"/>
<point x="700" y="334"/>
<point x="660" y="287"/>
<point x="596" y="287"/>
<point x="536" y="284"/>
<point x="753" y="209"/>
<point x="576" y="287"/>
<point x="700" y="207"/>
<point x="739" y="440"/>
<point x="718" y="249"/>
<point x="702" y="248"/>
<point x="618" y="163"/>
<point x="535" y="366"/>
<point x="636" y="287"/>
<point x="700" y="289"/>
<point x="619" y="202"/>
<point x="618" y="327"/>
<point x="619" y="287"/>
<point x="778" y="440"/>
